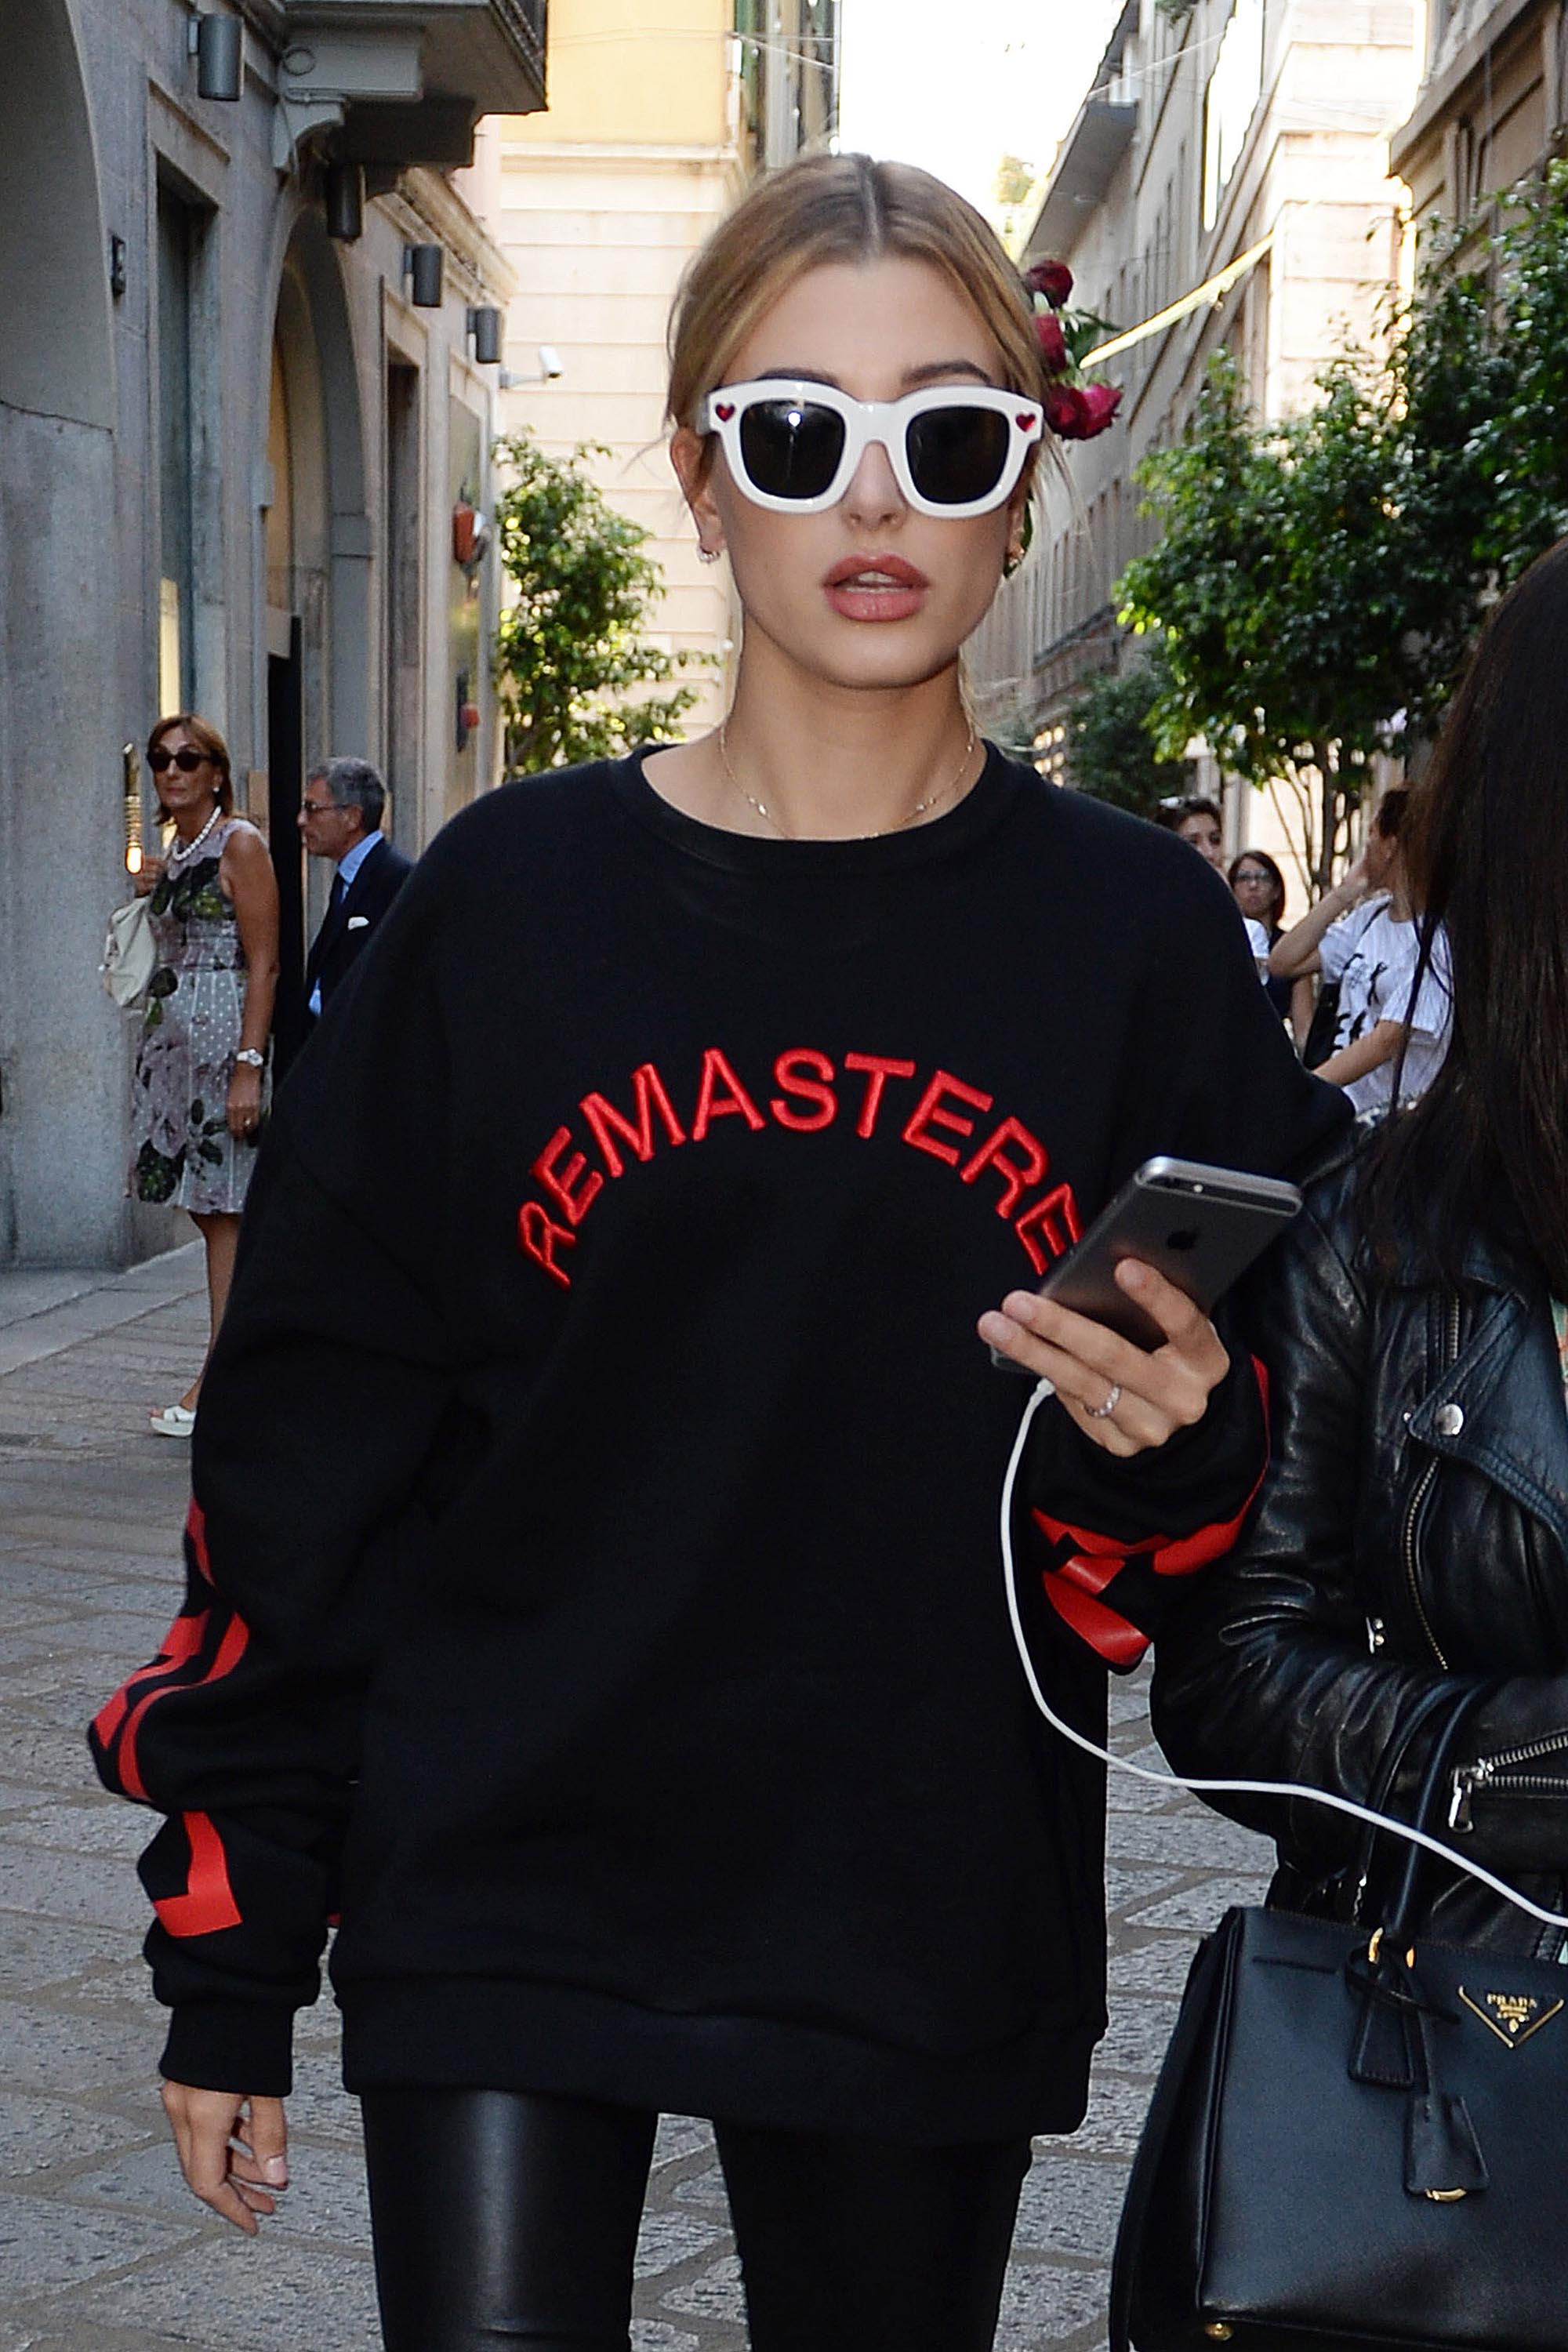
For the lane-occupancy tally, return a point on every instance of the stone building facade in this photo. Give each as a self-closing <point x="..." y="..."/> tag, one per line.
<point x="1242" y="148"/>
<point x="234" y="428"/>
<point x="1492" y="106"/>
<point x="657" y="120"/>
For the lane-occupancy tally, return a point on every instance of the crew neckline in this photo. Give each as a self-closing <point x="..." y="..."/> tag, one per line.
<point x="993" y="795"/>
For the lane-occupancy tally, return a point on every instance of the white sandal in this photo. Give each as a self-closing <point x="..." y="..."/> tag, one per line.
<point x="174" y="1421"/>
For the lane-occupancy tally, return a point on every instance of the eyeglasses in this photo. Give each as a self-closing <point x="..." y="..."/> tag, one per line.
<point x="317" y="808"/>
<point x="186" y="759"/>
<point x="1252" y="873"/>
<point x="793" y="446"/>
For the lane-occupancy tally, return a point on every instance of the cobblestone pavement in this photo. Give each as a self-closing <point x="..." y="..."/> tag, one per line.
<point x="100" y="2245"/>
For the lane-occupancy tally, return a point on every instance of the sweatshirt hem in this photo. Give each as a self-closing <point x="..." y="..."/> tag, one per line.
<point x="498" y="2034"/>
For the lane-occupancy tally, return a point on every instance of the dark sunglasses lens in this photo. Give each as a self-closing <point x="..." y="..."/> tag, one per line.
<point x="791" y="448"/>
<point x="957" y="454"/>
<point x="185" y="760"/>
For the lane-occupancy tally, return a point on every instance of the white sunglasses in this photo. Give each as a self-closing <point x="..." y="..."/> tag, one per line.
<point x="793" y="445"/>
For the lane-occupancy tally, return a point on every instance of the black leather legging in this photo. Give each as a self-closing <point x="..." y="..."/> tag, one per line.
<point x="504" y="2218"/>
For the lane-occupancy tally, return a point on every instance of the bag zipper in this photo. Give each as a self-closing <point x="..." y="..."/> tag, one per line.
<point x="1487" y="1771"/>
<point x="1423" y="1488"/>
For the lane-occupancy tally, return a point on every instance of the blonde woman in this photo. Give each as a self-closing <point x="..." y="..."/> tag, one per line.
<point x="636" y="1687"/>
<point x="196" y="1096"/>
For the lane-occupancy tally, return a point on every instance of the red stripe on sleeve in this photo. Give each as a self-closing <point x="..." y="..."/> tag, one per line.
<point x="1072" y="1585"/>
<point x="207" y="1904"/>
<point x="230" y="1650"/>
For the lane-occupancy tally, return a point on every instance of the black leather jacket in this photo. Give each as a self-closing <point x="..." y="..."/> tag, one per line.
<point x="1409" y="1545"/>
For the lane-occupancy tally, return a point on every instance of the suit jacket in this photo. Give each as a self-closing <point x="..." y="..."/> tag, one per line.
<point x="350" y="924"/>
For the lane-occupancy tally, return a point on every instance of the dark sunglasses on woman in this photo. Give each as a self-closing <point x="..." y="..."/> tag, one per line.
<point x="187" y="760"/>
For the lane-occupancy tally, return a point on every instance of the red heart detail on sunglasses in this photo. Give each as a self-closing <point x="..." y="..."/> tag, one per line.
<point x="1025" y="422"/>
<point x="723" y="410"/>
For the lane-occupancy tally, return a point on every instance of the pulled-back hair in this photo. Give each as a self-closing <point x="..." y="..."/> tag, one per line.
<point x="839" y="208"/>
<point x="1486" y="846"/>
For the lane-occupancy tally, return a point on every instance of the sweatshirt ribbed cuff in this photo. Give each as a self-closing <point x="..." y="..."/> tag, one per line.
<point x="217" y="2046"/>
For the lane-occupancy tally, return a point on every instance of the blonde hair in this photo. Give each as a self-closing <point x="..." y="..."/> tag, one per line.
<point x="828" y="208"/>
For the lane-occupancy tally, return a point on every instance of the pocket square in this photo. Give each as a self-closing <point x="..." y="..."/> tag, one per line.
<point x="358" y="923"/>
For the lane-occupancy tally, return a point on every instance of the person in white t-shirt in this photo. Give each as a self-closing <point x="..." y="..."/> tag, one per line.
<point x="1365" y="938"/>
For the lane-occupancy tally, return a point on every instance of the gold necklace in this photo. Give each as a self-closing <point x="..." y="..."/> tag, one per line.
<point x="919" y="808"/>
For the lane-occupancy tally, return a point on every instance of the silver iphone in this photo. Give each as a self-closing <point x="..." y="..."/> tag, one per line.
<point x="1200" y="1227"/>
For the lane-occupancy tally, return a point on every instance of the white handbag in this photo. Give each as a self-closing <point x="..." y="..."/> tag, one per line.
<point x="129" y="954"/>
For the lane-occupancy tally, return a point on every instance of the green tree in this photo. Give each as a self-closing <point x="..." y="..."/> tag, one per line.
<point x="1110" y="749"/>
<point x="1320" y="582"/>
<point x="570" y="651"/>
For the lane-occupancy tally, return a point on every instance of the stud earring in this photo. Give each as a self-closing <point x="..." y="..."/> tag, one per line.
<point x="707" y="554"/>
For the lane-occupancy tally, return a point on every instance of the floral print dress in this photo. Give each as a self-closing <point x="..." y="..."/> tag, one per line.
<point x="183" y="1154"/>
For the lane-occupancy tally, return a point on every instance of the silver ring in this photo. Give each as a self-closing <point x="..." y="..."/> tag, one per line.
<point x="1103" y="1412"/>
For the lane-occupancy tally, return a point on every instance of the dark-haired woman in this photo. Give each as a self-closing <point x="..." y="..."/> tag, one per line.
<point x="1258" y="889"/>
<point x="196" y="1097"/>
<point x="1409" y="1548"/>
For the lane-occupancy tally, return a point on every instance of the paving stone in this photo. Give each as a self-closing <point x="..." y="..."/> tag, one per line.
<point x="715" y="2295"/>
<point x="1140" y="2030"/>
<point x="1201" y="1905"/>
<point x="1043" y="2303"/>
<point x="44" y="2244"/>
<point x="74" y="1887"/>
<point x="1068" y="2206"/>
<point x="668" y="2239"/>
<point x="261" y="2294"/>
<point x="40" y="2135"/>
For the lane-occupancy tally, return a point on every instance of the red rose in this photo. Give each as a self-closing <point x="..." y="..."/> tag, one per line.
<point x="1077" y="412"/>
<point x="1065" y="412"/>
<point x="1100" y="402"/>
<point x="1052" y="343"/>
<point x="1051" y="278"/>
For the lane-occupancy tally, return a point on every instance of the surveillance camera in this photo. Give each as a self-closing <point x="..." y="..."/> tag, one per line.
<point x="549" y="361"/>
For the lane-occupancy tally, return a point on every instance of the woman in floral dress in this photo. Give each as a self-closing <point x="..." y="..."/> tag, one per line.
<point x="198" y="1098"/>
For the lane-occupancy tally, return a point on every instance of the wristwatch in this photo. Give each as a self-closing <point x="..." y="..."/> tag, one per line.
<point x="252" y="1057"/>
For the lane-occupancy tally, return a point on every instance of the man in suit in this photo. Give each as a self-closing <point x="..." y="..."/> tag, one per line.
<point x="340" y="817"/>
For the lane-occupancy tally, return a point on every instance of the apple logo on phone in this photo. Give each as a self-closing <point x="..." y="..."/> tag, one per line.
<point x="1186" y="1237"/>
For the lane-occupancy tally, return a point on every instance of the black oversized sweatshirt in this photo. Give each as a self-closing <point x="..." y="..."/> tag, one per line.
<point x="594" y="1598"/>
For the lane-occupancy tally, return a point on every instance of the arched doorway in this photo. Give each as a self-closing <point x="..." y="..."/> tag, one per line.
<point x="62" y="1048"/>
<point x="317" y="563"/>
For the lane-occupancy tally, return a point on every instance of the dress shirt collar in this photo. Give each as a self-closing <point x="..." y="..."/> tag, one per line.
<point x="351" y="861"/>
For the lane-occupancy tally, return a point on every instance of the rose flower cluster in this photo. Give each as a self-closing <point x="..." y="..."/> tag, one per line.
<point x="1075" y="411"/>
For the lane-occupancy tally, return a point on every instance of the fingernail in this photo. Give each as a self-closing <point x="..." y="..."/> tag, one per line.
<point x="1133" y="1275"/>
<point x="275" y="2171"/>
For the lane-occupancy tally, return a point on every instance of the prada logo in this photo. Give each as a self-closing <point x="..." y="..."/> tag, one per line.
<point x="1513" y="2017"/>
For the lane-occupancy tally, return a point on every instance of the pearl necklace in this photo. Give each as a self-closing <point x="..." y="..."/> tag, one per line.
<point x="177" y="854"/>
<point x="919" y="808"/>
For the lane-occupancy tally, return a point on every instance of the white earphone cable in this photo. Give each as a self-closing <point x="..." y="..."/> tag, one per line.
<point x="1043" y="1390"/>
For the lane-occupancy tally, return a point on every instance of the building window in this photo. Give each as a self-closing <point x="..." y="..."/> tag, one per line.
<point x="1234" y="87"/>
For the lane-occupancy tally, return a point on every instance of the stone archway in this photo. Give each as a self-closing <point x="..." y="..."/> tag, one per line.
<point x="62" y="1047"/>
<point x="317" y="564"/>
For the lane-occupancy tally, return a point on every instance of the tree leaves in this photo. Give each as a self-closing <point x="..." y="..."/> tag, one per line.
<point x="1319" y="582"/>
<point x="569" y="648"/>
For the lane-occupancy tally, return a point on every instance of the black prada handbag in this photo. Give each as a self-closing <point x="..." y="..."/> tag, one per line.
<point x="1357" y="2143"/>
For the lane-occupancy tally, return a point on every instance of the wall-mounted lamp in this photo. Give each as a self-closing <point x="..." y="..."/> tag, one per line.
<point x="342" y="185"/>
<point x="550" y="367"/>
<point x="485" y="326"/>
<point x="217" y="44"/>
<point x="425" y="264"/>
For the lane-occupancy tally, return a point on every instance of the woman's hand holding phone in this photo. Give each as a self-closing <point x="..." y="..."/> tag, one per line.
<point x="1151" y="1393"/>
